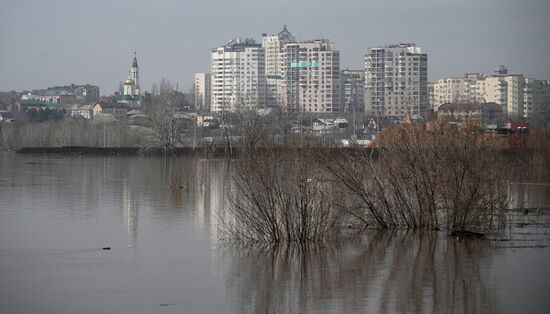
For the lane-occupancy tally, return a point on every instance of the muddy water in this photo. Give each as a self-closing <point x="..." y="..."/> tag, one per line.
<point x="165" y="256"/>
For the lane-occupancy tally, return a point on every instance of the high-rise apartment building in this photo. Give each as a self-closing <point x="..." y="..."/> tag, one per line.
<point x="273" y="47"/>
<point x="274" y="62"/>
<point x="202" y="91"/>
<point x="311" y="74"/>
<point x="456" y="89"/>
<point x="238" y="76"/>
<point x="352" y="90"/>
<point x="396" y="78"/>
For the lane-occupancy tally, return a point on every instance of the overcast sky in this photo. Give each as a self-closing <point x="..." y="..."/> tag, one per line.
<point x="46" y="43"/>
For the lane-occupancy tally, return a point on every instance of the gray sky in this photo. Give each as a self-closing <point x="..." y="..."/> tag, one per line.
<point x="46" y="43"/>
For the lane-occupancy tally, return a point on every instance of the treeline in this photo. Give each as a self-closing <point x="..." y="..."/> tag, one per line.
<point x="70" y="133"/>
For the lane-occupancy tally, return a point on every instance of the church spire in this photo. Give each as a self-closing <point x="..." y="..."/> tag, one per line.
<point x="134" y="62"/>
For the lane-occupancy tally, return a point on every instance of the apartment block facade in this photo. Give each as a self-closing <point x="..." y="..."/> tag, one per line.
<point x="311" y="76"/>
<point x="513" y="92"/>
<point x="274" y="92"/>
<point x="456" y="90"/>
<point x="536" y="99"/>
<point x="273" y="46"/>
<point x="352" y="90"/>
<point x="238" y="76"/>
<point x="396" y="78"/>
<point x="202" y="91"/>
<point x="504" y="89"/>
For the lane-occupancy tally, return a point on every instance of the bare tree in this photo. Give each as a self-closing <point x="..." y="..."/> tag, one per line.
<point x="166" y="126"/>
<point x="253" y="128"/>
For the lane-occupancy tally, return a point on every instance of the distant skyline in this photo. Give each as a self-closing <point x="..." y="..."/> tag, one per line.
<point x="47" y="43"/>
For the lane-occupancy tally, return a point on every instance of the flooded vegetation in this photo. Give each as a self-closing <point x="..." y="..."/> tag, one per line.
<point x="444" y="178"/>
<point x="160" y="217"/>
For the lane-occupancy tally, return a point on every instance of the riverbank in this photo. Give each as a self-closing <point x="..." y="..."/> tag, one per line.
<point x="216" y="152"/>
<point x="125" y="151"/>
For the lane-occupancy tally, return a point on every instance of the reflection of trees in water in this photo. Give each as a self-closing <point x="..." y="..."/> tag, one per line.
<point x="194" y="187"/>
<point x="384" y="272"/>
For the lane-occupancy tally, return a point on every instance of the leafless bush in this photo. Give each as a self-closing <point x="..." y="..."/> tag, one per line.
<point x="279" y="196"/>
<point x="444" y="178"/>
<point x="539" y="144"/>
<point x="254" y="129"/>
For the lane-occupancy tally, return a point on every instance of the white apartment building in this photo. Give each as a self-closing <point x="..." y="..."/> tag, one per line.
<point x="311" y="74"/>
<point x="396" y="78"/>
<point x="273" y="46"/>
<point x="202" y="91"/>
<point x="518" y="96"/>
<point x="238" y="76"/>
<point x="456" y="90"/>
<point x="504" y="89"/>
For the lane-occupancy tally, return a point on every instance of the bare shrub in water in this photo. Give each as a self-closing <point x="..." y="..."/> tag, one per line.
<point x="443" y="178"/>
<point x="280" y="196"/>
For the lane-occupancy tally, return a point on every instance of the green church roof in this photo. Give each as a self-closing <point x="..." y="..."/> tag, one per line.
<point x="128" y="98"/>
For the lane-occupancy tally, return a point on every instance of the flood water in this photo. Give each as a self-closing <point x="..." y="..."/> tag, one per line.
<point x="166" y="257"/>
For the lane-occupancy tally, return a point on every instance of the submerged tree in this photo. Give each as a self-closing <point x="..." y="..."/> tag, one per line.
<point x="278" y="196"/>
<point x="441" y="178"/>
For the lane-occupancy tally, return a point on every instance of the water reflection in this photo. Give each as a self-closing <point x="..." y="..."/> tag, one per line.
<point x="90" y="188"/>
<point x="81" y="203"/>
<point x="384" y="272"/>
<point x="532" y="195"/>
<point x="130" y="207"/>
<point x="199" y="184"/>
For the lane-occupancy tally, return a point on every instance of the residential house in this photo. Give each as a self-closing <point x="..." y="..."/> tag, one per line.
<point x="87" y="112"/>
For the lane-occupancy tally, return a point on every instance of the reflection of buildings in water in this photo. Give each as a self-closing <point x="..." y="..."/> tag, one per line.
<point x="202" y="190"/>
<point x="530" y="195"/>
<point x="210" y="192"/>
<point x="202" y="186"/>
<point x="130" y="208"/>
<point x="386" y="273"/>
<point x="217" y="192"/>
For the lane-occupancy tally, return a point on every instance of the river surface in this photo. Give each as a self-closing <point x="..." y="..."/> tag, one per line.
<point x="165" y="255"/>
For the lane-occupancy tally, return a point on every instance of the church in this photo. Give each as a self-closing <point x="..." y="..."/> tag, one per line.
<point x="131" y="95"/>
